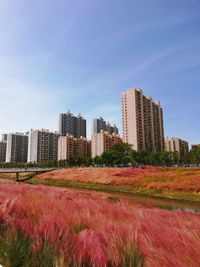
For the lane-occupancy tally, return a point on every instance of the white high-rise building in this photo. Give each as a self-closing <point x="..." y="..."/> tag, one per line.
<point x="17" y="147"/>
<point x="42" y="145"/>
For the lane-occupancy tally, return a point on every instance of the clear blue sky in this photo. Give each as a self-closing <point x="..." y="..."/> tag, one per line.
<point x="80" y="55"/>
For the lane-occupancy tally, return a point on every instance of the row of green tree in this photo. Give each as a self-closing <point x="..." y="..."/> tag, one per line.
<point x="120" y="155"/>
<point x="123" y="155"/>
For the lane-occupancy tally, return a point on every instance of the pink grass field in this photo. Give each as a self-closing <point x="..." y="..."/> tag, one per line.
<point x="95" y="229"/>
<point x="182" y="180"/>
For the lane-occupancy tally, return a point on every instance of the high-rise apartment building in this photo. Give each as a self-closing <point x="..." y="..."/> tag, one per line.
<point x="142" y="121"/>
<point x="82" y="148"/>
<point x="42" y="145"/>
<point x="2" y="151"/>
<point x="4" y="137"/>
<point x="72" y="125"/>
<point x="111" y="129"/>
<point x="178" y="146"/>
<point x="68" y="147"/>
<point x="65" y="147"/>
<point x="100" y="124"/>
<point x="66" y="123"/>
<point x="80" y="127"/>
<point x="103" y="141"/>
<point x="17" y="147"/>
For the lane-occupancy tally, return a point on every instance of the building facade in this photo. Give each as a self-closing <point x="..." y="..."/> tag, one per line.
<point x="178" y="146"/>
<point x="17" y="148"/>
<point x="103" y="141"/>
<point x="82" y="148"/>
<point x="100" y="124"/>
<point x="196" y="146"/>
<point x="42" y="145"/>
<point x="142" y="121"/>
<point x="65" y="147"/>
<point x="4" y="137"/>
<point x="80" y="127"/>
<point x="72" y="125"/>
<point x="69" y="147"/>
<point x="3" y="151"/>
<point x="111" y="129"/>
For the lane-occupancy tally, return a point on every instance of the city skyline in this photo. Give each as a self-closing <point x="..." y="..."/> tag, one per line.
<point x="143" y="130"/>
<point x="89" y="134"/>
<point x="60" y="56"/>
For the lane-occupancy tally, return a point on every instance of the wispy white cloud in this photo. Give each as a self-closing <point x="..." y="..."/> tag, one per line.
<point x="150" y="60"/>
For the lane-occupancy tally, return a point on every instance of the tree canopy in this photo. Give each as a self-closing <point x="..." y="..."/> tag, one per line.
<point x="119" y="155"/>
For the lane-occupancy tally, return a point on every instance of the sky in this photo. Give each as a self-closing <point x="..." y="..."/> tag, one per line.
<point x="60" y="55"/>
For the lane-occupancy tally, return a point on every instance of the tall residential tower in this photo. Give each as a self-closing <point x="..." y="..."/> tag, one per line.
<point x="3" y="145"/>
<point x="100" y="124"/>
<point x="69" y="147"/>
<point x="178" y="146"/>
<point x="103" y="141"/>
<point x="17" y="147"/>
<point x="142" y="121"/>
<point x="42" y="145"/>
<point x="72" y="125"/>
<point x="2" y="151"/>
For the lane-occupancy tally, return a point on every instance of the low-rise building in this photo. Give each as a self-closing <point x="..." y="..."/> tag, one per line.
<point x="103" y="141"/>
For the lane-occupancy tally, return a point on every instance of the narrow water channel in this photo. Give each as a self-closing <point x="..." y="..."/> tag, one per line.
<point x="148" y="201"/>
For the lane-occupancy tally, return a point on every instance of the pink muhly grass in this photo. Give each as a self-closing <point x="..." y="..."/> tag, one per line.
<point x="90" y="229"/>
<point x="187" y="180"/>
<point x="90" y="249"/>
